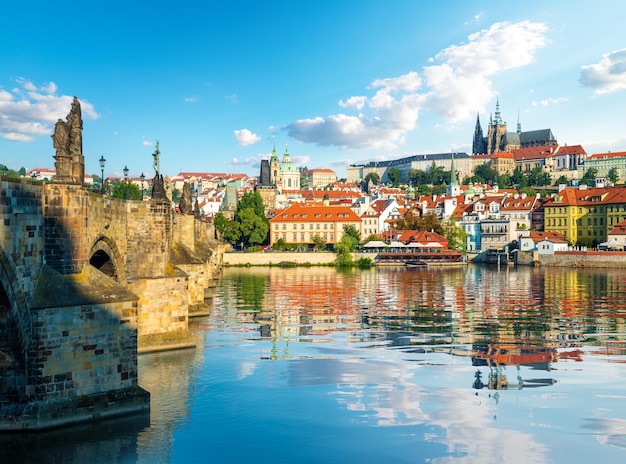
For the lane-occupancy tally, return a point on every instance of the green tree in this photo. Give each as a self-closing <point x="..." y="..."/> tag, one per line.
<point x="395" y="176"/>
<point x="232" y="232"/>
<point x="538" y="177"/>
<point x="456" y="236"/>
<point x="252" y="200"/>
<point x="350" y="231"/>
<point x="485" y="174"/>
<point x="22" y="171"/>
<point x="415" y="222"/>
<point x="589" y="176"/>
<point x="529" y="191"/>
<point x="424" y="189"/>
<point x="249" y="225"/>
<point x="253" y="228"/>
<point x="505" y="180"/>
<point x="561" y="181"/>
<point x="436" y="175"/>
<point x="613" y="175"/>
<point x="372" y="177"/>
<point x="220" y="223"/>
<point x="126" y="191"/>
<point x="417" y="177"/>
<point x="318" y="243"/>
<point x="343" y="249"/>
<point x="519" y="179"/>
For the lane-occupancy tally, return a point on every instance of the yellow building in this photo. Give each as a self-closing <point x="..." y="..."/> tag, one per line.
<point x="583" y="214"/>
<point x="300" y="223"/>
<point x="320" y="177"/>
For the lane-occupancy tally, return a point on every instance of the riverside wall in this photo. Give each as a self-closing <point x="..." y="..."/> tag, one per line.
<point x="273" y="258"/>
<point x="591" y="259"/>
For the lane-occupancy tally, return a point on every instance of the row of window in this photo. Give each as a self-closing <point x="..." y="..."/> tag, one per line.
<point x="317" y="215"/>
<point x="579" y="222"/>
<point x="326" y="225"/>
<point x="304" y="237"/>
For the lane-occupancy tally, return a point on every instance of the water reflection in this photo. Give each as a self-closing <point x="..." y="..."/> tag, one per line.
<point x="438" y="365"/>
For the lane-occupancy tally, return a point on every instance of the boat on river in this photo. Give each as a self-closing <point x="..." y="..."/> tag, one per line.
<point x="419" y="263"/>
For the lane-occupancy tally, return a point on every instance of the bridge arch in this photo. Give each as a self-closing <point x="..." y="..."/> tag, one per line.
<point x="106" y="257"/>
<point x="15" y="330"/>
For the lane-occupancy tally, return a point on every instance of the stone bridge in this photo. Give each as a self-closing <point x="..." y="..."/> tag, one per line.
<point x="86" y="282"/>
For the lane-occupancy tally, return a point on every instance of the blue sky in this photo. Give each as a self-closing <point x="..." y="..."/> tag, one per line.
<point x="340" y="82"/>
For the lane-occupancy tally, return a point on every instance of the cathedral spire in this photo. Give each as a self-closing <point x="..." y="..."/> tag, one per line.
<point x="519" y="126"/>
<point x="478" y="145"/>
<point x="498" y="119"/>
<point x="453" y="189"/>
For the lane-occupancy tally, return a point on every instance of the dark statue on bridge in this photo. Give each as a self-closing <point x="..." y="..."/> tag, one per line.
<point x="158" y="185"/>
<point x="185" y="205"/>
<point x="68" y="143"/>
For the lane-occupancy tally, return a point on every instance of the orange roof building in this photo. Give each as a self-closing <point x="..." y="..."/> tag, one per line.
<point x="300" y="223"/>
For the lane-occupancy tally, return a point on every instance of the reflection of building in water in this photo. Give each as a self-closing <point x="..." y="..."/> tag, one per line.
<point x="103" y="441"/>
<point x="498" y="380"/>
<point x="166" y="376"/>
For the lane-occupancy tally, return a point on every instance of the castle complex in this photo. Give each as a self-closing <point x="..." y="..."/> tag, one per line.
<point x="499" y="139"/>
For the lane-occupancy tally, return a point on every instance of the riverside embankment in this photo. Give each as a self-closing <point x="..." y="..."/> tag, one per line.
<point x="273" y="258"/>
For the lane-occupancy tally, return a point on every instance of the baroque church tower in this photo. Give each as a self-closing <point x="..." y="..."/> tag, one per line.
<point x="275" y="169"/>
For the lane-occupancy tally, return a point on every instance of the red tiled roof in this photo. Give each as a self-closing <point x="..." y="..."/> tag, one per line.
<point x="617" y="154"/>
<point x="305" y="213"/>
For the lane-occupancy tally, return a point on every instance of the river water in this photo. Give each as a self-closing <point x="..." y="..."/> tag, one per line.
<point x="310" y="365"/>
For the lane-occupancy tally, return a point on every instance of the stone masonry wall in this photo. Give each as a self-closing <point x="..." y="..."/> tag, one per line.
<point x="163" y="305"/>
<point x="275" y="257"/>
<point x="184" y="230"/>
<point x="71" y="355"/>
<point x="599" y="259"/>
<point x="65" y="208"/>
<point x="148" y="246"/>
<point x="21" y="255"/>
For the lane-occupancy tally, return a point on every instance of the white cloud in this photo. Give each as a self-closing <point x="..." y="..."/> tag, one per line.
<point x="353" y="102"/>
<point x="455" y="86"/>
<point x="145" y="143"/>
<point x="301" y="160"/>
<point x="191" y="99"/>
<point x="609" y="75"/>
<point x="28" y="111"/>
<point x="245" y="137"/>
<point x="550" y="101"/>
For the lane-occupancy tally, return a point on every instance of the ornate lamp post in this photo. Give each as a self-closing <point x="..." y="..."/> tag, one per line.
<point x="102" y="161"/>
<point x="126" y="182"/>
<point x="142" y="177"/>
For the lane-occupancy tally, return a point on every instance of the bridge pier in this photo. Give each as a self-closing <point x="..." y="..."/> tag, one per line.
<point x="71" y="332"/>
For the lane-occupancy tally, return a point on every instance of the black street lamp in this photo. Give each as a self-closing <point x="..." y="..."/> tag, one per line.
<point x="126" y="182"/>
<point x="142" y="177"/>
<point x="102" y="161"/>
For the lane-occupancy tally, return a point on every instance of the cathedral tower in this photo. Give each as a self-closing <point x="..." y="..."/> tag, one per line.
<point x="496" y="135"/>
<point x="478" y="145"/>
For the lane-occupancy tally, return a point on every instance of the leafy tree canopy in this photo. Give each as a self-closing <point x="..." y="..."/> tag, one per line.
<point x="395" y="176"/>
<point x="126" y="191"/>
<point x="372" y="177"/>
